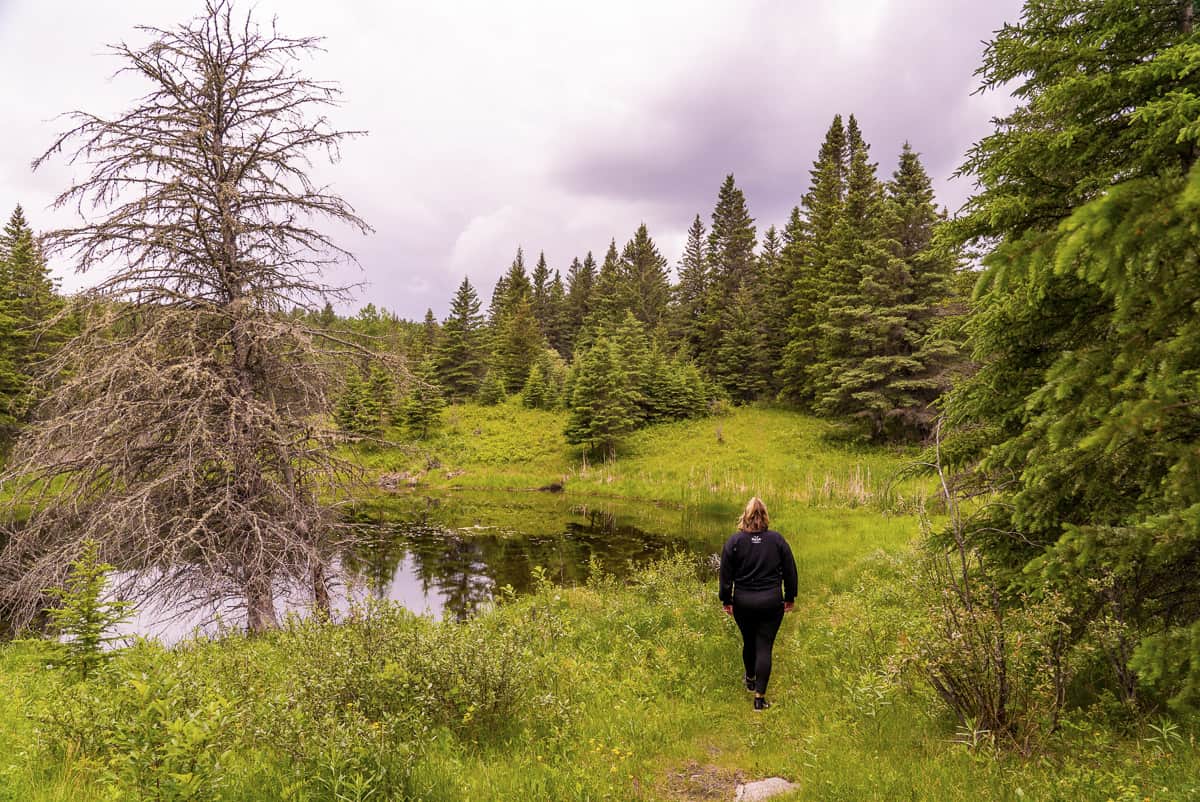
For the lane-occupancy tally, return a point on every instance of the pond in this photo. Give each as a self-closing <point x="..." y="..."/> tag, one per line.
<point x="446" y="556"/>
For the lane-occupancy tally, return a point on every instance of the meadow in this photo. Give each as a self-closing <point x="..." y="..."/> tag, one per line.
<point x="613" y="689"/>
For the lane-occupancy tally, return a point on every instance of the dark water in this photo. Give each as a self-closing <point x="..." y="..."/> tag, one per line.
<point x="447" y="556"/>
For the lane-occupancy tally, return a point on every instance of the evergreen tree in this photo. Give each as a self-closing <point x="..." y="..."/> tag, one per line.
<point x="603" y="403"/>
<point x="610" y="297"/>
<point x="423" y="402"/>
<point x="558" y="318"/>
<point x="427" y="345"/>
<point x="540" y="294"/>
<point x="517" y="345"/>
<point x="807" y="242"/>
<point x="858" y="253"/>
<point x="771" y="298"/>
<point x="517" y="286"/>
<point x="328" y="318"/>
<point x="691" y="294"/>
<point x="647" y="286"/>
<point x="731" y="263"/>
<point x="357" y="411"/>
<point x="893" y="363"/>
<point x="581" y="281"/>
<point x="459" y="359"/>
<point x="491" y="389"/>
<point x="536" y="392"/>
<point x="740" y="362"/>
<point x="496" y="307"/>
<point x="382" y="392"/>
<point x="28" y="332"/>
<point x="1082" y="412"/>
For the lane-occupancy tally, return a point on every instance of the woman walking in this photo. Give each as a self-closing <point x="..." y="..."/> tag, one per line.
<point x="758" y="584"/>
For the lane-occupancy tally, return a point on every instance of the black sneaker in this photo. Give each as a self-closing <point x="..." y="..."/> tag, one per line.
<point x="749" y="683"/>
<point x="761" y="703"/>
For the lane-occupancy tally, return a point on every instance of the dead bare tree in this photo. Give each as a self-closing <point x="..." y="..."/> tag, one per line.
<point x="184" y="428"/>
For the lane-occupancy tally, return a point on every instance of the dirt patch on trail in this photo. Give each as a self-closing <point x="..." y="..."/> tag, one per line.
<point x="694" y="782"/>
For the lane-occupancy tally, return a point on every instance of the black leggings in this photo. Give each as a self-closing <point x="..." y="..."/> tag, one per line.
<point x="758" y="626"/>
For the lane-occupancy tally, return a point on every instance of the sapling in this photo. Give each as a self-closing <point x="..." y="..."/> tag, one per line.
<point x="84" y="619"/>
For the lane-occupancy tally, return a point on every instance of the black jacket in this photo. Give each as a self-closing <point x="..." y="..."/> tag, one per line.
<point x="753" y="567"/>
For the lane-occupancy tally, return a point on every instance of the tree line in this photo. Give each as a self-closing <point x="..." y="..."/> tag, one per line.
<point x="844" y="313"/>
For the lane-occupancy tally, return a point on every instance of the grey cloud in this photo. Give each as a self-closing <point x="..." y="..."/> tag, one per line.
<point x="761" y="114"/>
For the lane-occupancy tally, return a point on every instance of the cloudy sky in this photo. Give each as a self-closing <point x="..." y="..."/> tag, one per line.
<point x="553" y="125"/>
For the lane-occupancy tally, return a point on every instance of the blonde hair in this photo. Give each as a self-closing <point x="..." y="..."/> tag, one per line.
<point x="754" y="517"/>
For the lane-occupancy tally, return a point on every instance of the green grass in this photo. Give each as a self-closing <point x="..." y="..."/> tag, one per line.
<point x="609" y="691"/>
<point x="785" y="458"/>
<point x="620" y="693"/>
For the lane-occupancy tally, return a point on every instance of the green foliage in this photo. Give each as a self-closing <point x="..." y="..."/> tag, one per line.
<point x="604" y="400"/>
<point x="30" y="330"/>
<point x="691" y="293"/>
<point x="460" y="350"/>
<point x="359" y="409"/>
<point x="491" y="389"/>
<point x="544" y="387"/>
<point x="518" y="343"/>
<point x="82" y="619"/>
<point x="423" y="403"/>
<point x="1085" y="329"/>
<point x="581" y="280"/>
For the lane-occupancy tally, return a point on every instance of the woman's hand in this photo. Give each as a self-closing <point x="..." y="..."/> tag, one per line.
<point x="728" y="608"/>
<point x="787" y="606"/>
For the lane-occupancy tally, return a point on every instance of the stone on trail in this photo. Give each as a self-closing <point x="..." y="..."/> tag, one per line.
<point x="763" y="789"/>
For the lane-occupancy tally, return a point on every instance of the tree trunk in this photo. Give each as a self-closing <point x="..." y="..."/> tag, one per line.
<point x="260" y="604"/>
<point x="320" y="590"/>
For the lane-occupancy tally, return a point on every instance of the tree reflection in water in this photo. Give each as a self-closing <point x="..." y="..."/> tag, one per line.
<point x="447" y="557"/>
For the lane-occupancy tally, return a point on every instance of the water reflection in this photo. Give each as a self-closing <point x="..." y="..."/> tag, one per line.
<point x="447" y="556"/>
<point x="441" y="557"/>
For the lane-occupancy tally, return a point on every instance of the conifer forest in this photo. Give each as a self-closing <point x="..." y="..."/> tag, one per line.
<point x="264" y="537"/>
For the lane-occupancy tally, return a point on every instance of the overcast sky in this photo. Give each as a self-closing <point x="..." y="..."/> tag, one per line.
<point x="552" y="125"/>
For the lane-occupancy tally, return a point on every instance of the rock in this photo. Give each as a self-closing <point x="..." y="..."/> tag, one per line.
<point x="763" y="789"/>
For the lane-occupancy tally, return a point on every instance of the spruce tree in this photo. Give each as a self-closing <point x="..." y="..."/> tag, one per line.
<point x="691" y="294"/>
<point x="540" y="294"/>
<point x="771" y="298"/>
<point x="740" y="361"/>
<point x="1082" y="411"/>
<point x="646" y="283"/>
<point x="430" y="334"/>
<point x="517" y="344"/>
<point x="459" y="359"/>
<point x="859" y="247"/>
<point x="603" y="402"/>
<point x="731" y="263"/>
<point x="356" y="411"/>
<point x="327" y="319"/>
<point x="610" y="297"/>
<point x="808" y="239"/>
<point x="382" y="392"/>
<point x="29" y="332"/>
<point x="491" y="389"/>
<point x="423" y="402"/>
<point x="557" y="320"/>
<point x="581" y="281"/>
